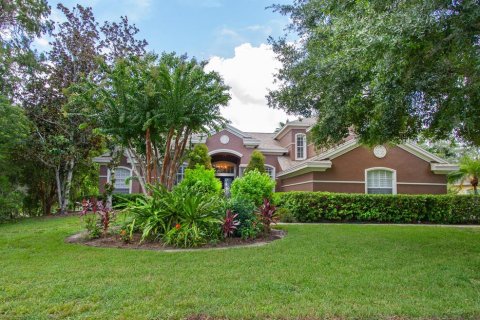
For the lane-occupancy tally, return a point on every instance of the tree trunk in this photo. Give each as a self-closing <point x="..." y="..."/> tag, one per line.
<point x="474" y="183"/>
<point x="67" y="185"/>
<point x="148" y="149"/>
<point x="59" y="187"/>
<point x="140" y="178"/>
<point x="179" y="150"/>
<point x="166" y="158"/>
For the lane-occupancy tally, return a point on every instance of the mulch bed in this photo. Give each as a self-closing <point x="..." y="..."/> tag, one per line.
<point x="114" y="241"/>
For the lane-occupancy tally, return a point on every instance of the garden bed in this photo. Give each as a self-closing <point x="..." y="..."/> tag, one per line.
<point x="115" y="241"/>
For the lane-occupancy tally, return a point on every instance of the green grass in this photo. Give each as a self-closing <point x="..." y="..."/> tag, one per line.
<point x="345" y="271"/>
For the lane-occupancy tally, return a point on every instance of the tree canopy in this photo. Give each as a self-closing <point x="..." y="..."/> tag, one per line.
<point x="386" y="70"/>
<point x="152" y="106"/>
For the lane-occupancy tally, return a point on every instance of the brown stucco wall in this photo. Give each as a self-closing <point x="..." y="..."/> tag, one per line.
<point x="413" y="173"/>
<point x="236" y="143"/>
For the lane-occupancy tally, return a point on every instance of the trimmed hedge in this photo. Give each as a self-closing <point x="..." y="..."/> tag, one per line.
<point x="323" y="206"/>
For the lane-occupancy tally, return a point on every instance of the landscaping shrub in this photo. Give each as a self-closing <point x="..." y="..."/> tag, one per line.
<point x="245" y="210"/>
<point x="183" y="217"/>
<point x="201" y="180"/>
<point x="321" y="206"/>
<point x="257" y="162"/>
<point x="254" y="186"/>
<point x="199" y="156"/>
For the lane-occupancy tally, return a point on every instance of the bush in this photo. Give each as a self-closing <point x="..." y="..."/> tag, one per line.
<point x="253" y="186"/>
<point x="285" y="215"/>
<point x="183" y="217"/>
<point x="245" y="210"/>
<point x="201" y="180"/>
<point x="199" y="156"/>
<point x="321" y="206"/>
<point x="257" y="162"/>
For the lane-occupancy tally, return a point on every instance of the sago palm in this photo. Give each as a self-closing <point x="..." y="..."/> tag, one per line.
<point x="469" y="170"/>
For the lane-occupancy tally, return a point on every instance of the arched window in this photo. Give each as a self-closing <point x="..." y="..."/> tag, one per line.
<point x="300" y="146"/>
<point x="380" y="181"/>
<point x="122" y="183"/>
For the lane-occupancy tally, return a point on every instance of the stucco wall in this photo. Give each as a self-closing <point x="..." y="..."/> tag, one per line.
<point x="348" y="173"/>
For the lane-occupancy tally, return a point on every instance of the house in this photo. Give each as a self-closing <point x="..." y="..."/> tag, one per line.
<point x="297" y="165"/>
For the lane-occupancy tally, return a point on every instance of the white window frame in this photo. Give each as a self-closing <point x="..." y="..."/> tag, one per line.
<point x="185" y="166"/>
<point x="394" y="178"/>
<point x="273" y="171"/>
<point x="131" y="176"/>
<point x="234" y="174"/>
<point x="304" y="146"/>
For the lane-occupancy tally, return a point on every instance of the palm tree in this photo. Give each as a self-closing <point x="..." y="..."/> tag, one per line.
<point x="469" y="170"/>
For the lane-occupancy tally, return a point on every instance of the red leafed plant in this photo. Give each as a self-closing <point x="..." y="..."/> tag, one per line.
<point x="229" y="224"/>
<point x="267" y="215"/>
<point x="97" y="207"/>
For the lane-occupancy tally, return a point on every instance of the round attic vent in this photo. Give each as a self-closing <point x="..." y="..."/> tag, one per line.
<point x="380" y="151"/>
<point x="224" y="139"/>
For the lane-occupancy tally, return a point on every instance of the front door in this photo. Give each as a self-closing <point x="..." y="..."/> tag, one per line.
<point x="225" y="171"/>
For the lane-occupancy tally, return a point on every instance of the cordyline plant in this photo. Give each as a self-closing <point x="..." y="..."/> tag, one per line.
<point x="230" y="224"/>
<point x="267" y="215"/>
<point x="105" y="213"/>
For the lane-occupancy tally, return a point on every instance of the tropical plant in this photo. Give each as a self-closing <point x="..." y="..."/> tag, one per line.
<point x="183" y="217"/>
<point x="200" y="180"/>
<point x="257" y="162"/>
<point x="253" y="186"/>
<point x="229" y="224"/>
<point x="250" y="228"/>
<point x="469" y="170"/>
<point x="104" y="213"/>
<point x="153" y="214"/>
<point x="199" y="156"/>
<point x="267" y="215"/>
<point x="166" y="100"/>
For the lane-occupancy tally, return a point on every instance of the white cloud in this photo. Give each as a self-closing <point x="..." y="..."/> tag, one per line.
<point x="250" y="74"/>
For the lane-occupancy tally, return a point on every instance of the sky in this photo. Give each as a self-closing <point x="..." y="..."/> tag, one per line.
<point x="231" y="34"/>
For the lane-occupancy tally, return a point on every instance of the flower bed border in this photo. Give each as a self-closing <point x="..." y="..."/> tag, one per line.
<point x="114" y="241"/>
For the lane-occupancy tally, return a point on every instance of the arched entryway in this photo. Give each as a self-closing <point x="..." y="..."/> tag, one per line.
<point x="226" y="165"/>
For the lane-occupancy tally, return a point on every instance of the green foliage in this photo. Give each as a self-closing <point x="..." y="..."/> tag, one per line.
<point x="253" y="186"/>
<point x="245" y="210"/>
<point x="183" y="217"/>
<point x="285" y="215"/>
<point x="250" y="228"/>
<point x="201" y="180"/>
<point x="387" y="70"/>
<point x="320" y="206"/>
<point x="469" y="170"/>
<point x="169" y="97"/>
<point x="14" y="131"/>
<point x="257" y="162"/>
<point x="92" y="225"/>
<point x="199" y="156"/>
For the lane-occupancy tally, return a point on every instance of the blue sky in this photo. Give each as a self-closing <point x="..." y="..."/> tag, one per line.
<point x="231" y="34"/>
<point x="201" y="28"/>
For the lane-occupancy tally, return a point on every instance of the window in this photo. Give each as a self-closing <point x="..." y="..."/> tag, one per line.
<point x="180" y="173"/>
<point x="300" y="146"/>
<point x="270" y="171"/>
<point x="224" y="167"/>
<point x="122" y="183"/>
<point x="380" y="181"/>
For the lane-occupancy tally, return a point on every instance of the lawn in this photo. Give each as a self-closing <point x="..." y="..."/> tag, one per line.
<point x="344" y="271"/>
